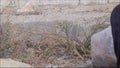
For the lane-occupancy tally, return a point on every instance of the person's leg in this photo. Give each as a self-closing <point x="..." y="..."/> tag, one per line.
<point x="115" y="24"/>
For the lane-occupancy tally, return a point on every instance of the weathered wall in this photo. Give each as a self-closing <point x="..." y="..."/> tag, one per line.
<point x="98" y="1"/>
<point x="21" y="3"/>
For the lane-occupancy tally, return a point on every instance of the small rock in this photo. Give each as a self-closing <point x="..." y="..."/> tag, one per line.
<point x="28" y="8"/>
<point x="12" y="63"/>
<point x="102" y="49"/>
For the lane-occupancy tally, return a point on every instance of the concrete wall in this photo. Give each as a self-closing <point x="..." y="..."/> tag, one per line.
<point x="21" y="3"/>
<point x="98" y="1"/>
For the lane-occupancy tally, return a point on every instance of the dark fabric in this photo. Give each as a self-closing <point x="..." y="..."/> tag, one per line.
<point x="115" y="23"/>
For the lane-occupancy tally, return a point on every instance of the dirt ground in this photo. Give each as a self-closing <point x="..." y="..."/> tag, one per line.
<point x="45" y="48"/>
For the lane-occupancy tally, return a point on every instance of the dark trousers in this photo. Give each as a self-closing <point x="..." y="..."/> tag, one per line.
<point x="115" y="24"/>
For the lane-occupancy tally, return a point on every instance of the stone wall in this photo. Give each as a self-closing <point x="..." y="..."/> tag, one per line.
<point x="20" y="3"/>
